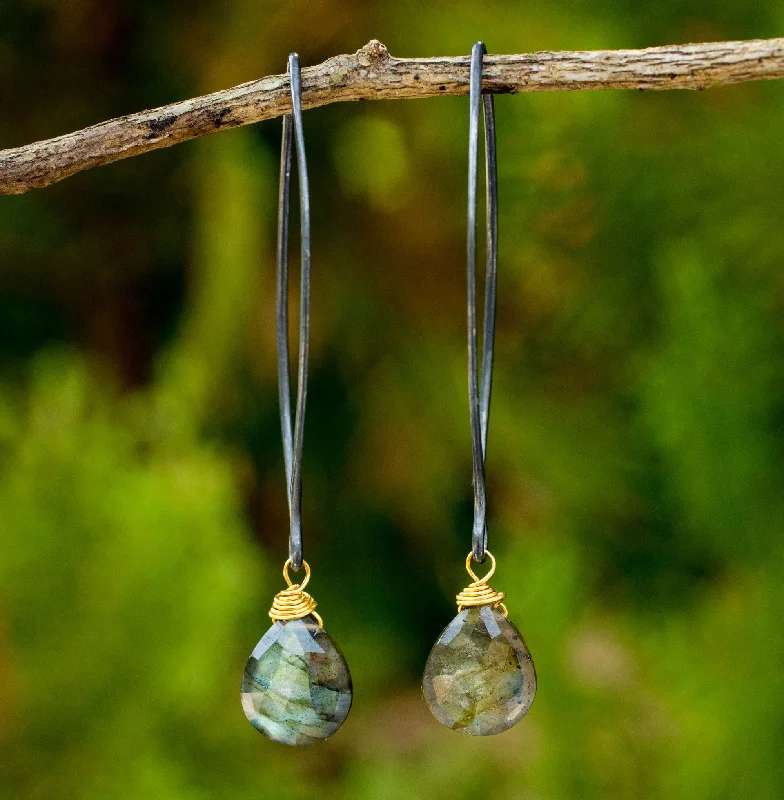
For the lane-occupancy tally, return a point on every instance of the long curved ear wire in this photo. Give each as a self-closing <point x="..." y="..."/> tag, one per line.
<point x="479" y="399"/>
<point x="292" y="442"/>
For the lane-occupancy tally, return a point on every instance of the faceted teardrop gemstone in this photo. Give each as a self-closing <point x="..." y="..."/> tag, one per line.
<point x="479" y="678"/>
<point x="296" y="688"/>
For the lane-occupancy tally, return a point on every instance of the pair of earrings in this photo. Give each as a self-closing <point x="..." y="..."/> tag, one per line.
<point x="479" y="678"/>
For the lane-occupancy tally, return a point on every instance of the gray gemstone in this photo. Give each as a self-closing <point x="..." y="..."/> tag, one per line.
<point x="296" y="688"/>
<point x="479" y="678"/>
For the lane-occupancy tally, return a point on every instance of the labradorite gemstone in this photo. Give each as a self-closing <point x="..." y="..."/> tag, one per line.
<point x="479" y="678"/>
<point x="297" y="687"/>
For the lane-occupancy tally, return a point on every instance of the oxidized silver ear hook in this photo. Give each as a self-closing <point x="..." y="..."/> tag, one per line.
<point x="292" y="443"/>
<point x="479" y="397"/>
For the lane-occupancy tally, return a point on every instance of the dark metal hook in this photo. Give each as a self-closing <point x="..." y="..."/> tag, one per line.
<point x="479" y="398"/>
<point x="292" y="443"/>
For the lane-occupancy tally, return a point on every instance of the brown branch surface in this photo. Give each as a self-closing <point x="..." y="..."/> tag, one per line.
<point x="371" y="73"/>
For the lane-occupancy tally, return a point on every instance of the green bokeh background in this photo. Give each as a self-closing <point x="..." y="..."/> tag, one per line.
<point x="635" y="454"/>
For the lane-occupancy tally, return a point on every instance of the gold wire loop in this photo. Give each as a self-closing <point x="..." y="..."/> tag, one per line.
<point x="478" y="593"/>
<point x="473" y="574"/>
<point x="286" y="577"/>
<point x="294" y="602"/>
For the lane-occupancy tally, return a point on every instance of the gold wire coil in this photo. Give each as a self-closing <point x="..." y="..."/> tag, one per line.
<point x="294" y="602"/>
<point x="479" y="593"/>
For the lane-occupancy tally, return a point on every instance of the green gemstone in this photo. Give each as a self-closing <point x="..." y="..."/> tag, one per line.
<point x="479" y="678"/>
<point x="296" y="688"/>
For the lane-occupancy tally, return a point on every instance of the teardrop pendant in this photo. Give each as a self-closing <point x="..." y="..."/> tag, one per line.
<point x="297" y="687"/>
<point x="479" y="678"/>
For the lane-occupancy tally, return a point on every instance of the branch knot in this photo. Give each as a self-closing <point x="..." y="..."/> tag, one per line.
<point x="372" y="53"/>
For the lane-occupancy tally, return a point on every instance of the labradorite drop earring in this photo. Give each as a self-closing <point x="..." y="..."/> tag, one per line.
<point x="296" y="688"/>
<point x="479" y="678"/>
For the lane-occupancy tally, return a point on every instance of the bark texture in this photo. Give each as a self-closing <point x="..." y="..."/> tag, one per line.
<point x="372" y="73"/>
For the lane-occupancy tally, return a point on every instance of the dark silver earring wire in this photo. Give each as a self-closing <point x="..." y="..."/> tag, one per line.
<point x="292" y="443"/>
<point x="479" y="390"/>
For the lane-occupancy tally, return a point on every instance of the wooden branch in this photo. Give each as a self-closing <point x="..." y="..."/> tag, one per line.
<point x="371" y="73"/>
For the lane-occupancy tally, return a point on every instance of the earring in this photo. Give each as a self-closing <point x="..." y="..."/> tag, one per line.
<point x="479" y="678"/>
<point x="296" y="688"/>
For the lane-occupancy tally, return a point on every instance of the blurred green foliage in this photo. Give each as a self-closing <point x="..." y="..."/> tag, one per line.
<point x="636" y="439"/>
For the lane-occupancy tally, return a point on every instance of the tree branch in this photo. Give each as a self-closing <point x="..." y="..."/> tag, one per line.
<point x="371" y="73"/>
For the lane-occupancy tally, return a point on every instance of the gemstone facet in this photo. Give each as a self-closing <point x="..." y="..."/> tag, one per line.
<point x="297" y="688"/>
<point x="479" y="678"/>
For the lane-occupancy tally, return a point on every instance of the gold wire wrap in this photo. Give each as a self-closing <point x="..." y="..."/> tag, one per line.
<point x="294" y="602"/>
<point x="479" y="593"/>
